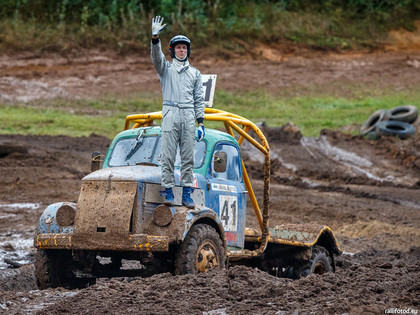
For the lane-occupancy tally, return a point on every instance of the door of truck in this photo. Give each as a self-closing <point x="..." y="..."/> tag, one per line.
<point x="226" y="193"/>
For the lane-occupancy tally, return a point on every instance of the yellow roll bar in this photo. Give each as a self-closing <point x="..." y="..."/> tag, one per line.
<point x="231" y="123"/>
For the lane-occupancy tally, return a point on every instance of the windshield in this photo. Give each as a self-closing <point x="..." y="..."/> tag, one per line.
<point x="147" y="149"/>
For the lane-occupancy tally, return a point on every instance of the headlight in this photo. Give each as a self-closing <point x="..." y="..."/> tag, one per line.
<point x="65" y="215"/>
<point x="162" y="215"/>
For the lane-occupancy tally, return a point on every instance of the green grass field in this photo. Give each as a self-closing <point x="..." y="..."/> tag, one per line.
<point x="106" y="116"/>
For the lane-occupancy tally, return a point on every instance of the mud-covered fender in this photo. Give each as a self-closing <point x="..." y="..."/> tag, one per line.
<point x="306" y="236"/>
<point x="48" y="220"/>
<point x="182" y="221"/>
<point x="327" y="239"/>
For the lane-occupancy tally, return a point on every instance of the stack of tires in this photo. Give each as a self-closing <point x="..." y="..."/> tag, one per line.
<point x="397" y="122"/>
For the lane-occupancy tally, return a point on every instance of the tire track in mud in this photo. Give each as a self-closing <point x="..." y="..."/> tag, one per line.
<point x="304" y="184"/>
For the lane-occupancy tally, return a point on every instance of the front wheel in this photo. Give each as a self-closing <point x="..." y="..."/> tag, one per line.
<point x="201" y="251"/>
<point x="54" y="268"/>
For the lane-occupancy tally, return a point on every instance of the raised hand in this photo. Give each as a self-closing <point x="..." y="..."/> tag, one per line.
<point x="157" y="26"/>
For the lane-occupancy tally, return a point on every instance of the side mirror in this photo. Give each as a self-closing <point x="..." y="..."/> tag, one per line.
<point x="220" y="159"/>
<point x="96" y="161"/>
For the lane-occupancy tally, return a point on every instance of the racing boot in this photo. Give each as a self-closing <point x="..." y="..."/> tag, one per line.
<point x="168" y="194"/>
<point x="186" y="197"/>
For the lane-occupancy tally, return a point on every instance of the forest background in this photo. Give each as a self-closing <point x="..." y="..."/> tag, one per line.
<point x="124" y="25"/>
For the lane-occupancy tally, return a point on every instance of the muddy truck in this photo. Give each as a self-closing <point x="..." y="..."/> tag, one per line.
<point x="120" y="226"/>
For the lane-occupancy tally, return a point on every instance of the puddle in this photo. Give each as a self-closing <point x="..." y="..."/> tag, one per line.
<point x="20" y="205"/>
<point x="289" y="166"/>
<point x="219" y="311"/>
<point x="6" y="216"/>
<point x="16" y="248"/>
<point x="359" y="165"/>
<point x="333" y="152"/>
<point x="35" y="301"/>
<point x="311" y="183"/>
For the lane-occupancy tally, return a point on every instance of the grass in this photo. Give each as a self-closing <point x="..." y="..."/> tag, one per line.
<point x="24" y="120"/>
<point x="311" y="113"/>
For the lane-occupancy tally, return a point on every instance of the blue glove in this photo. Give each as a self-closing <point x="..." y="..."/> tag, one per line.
<point x="201" y="133"/>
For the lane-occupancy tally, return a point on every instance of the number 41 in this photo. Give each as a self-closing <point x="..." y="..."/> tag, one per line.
<point x="225" y="212"/>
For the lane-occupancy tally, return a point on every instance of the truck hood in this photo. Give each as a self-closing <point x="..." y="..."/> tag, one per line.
<point x="150" y="174"/>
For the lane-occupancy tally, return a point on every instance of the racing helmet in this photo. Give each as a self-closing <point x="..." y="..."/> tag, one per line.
<point x="179" y="39"/>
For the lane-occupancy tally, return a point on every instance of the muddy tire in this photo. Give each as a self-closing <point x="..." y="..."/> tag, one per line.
<point x="320" y="263"/>
<point x="370" y="124"/>
<point x="395" y="128"/>
<point x="201" y="251"/>
<point x="54" y="268"/>
<point x="406" y="113"/>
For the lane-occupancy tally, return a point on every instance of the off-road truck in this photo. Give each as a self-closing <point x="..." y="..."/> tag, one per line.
<point x="120" y="227"/>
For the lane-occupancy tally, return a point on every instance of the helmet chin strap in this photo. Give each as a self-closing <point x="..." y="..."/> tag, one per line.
<point x="185" y="59"/>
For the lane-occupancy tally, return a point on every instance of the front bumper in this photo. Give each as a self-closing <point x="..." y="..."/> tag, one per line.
<point x="134" y="242"/>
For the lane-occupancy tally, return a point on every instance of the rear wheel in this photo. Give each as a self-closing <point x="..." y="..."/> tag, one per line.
<point x="54" y="268"/>
<point x="320" y="263"/>
<point x="201" y="251"/>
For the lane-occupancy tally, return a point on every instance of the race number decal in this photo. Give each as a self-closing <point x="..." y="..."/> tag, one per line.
<point x="209" y="86"/>
<point x="229" y="212"/>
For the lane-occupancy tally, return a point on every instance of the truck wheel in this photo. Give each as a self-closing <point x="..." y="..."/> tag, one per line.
<point x="53" y="268"/>
<point x="320" y="263"/>
<point x="201" y="251"/>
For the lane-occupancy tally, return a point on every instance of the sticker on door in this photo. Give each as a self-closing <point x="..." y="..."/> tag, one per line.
<point x="229" y="212"/>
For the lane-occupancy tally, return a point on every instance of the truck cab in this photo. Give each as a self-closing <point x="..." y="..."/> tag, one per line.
<point x="135" y="154"/>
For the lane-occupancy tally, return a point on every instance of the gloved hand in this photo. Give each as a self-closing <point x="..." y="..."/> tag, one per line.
<point x="201" y="133"/>
<point x="157" y="26"/>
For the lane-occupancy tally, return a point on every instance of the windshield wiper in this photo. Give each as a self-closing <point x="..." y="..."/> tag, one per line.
<point x="139" y="142"/>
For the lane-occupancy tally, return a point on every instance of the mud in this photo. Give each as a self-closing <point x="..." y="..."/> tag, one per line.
<point x="242" y="290"/>
<point x="367" y="191"/>
<point x="27" y="77"/>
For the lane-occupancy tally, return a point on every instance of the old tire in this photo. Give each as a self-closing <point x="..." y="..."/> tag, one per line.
<point x="320" y="263"/>
<point x="201" y="251"/>
<point x="54" y="268"/>
<point x="395" y="128"/>
<point x="370" y="124"/>
<point x="406" y="113"/>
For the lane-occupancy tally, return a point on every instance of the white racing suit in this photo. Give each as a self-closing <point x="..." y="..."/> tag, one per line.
<point x="183" y="104"/>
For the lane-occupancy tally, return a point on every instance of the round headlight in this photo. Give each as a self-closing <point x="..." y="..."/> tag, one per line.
<point x="162" y="215"/>
<point x="65" y="215"/>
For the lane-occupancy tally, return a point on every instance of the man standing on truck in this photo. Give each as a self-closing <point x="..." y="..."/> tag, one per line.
<point x="183" y="104"/>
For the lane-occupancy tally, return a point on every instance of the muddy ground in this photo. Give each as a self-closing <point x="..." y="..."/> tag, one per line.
<point x="367" y="191"/>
